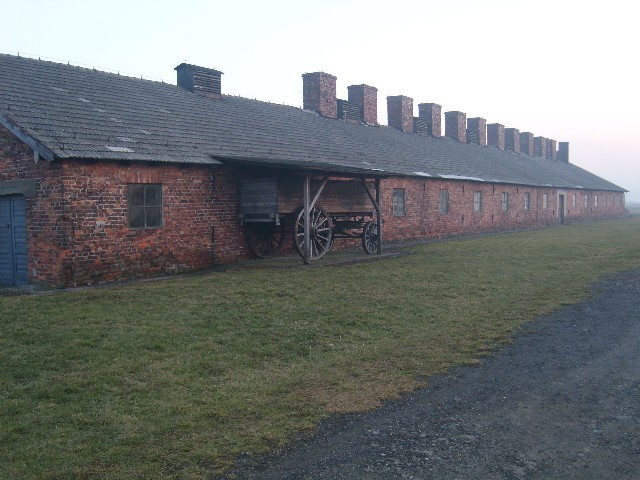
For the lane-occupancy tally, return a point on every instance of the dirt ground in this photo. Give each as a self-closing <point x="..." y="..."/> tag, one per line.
<point x="562" y="401"/>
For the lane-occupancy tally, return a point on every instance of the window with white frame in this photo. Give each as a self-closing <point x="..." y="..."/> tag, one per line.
<point x="595" y="201"/>
<point x="398" y="202"/>
<point x="574" y="200"/>
<point x="527" y="200"/>
<point x="443" y="203"/>
<point x="505" y="201"/>
<point x="477" y="201"/>
<point x="586" y="200"/>
<point x="545" y="201"/>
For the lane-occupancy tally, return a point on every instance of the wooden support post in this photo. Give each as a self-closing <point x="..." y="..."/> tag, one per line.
<point x="376" y="204"/>
<point x="307" y="238"/>
<point x="378" y="215"/>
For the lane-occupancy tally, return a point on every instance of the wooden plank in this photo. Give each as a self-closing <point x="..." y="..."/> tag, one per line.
<point x="259" y="196"/>
<point x="337" y="196"/>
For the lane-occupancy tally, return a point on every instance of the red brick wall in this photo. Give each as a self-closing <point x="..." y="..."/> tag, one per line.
<point x="78" y="233"/>
<point x="229" y="244"/>
<point x="77" y="222"/>
<point x="423" y="218"/>
<point x="200" y="220"/>
<point x="610" y="204"/>
<point x="46" y="221"/>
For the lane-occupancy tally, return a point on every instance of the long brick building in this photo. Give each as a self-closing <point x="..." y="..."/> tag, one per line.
<point x="103" y="176"/>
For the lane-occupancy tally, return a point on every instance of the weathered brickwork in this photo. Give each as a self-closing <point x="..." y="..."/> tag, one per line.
<point x="319" y="94"/>
<point x="424" y="219"/>
<point x="455" y="126"/>
<point x="366" y="97"/>
<point x="78" y="229"/>
<point x="45" y="214"/>
<point x="496" y="135"/>
<point x="432" y="113"/>
<point x="400" y="113"/>
<point x="229" y="243"/>
<point x="526" y="143"/>
<point x="609" y="204"/>
<point x="199" y="212"/>
<point x="77" y="222"/>
<point x="477" y="131"/>
<point x="512" y="139"/>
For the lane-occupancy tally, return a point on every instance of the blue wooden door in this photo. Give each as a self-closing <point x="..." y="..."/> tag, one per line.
<point x="13" y="241"/>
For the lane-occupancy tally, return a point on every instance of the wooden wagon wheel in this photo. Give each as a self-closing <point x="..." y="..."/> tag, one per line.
<point x="319" y="236"/>
<point x="264" y="238"/>
<point x="370" y="237"/>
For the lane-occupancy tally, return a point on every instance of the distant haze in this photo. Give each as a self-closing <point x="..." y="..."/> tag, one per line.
<point x="563" y="70"/>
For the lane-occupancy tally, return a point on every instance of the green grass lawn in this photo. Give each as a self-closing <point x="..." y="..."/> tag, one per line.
<point x="175" y="378"/>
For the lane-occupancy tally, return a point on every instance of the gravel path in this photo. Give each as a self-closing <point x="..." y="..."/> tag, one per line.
<point x="562" y="401"/>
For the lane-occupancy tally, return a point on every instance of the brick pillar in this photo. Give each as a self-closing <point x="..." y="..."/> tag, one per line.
<point x="563" y="152"/>
<point x="540" y="147"/>
<point x="495" y="135"/>
<point x="400" y="113"/>
<point x="432" y="113"/>
<point x="552" y="149"/>
<point x="366" y="97"/>
<point x="319" y="94"/>
<point x="526" y="143"/>
<point x="477" y="131"/>
<point x="512" y="139"/>
<point x="455" y="126"/>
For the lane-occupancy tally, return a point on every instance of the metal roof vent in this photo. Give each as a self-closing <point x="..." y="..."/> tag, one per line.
<point x="202" y="81"/>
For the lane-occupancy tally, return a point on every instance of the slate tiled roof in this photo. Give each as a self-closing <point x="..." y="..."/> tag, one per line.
<point x="72" y="112"/>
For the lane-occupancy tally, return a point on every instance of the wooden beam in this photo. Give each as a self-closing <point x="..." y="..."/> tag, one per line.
<point x="307" y="238"/>
<point x="378" y="215"/>
<point x="376" y="203"/>
<point x="325" y="179"/>
<point x="42" y="151"/>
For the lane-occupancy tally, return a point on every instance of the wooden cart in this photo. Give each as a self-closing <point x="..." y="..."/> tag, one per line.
<point x="271" y="207"/>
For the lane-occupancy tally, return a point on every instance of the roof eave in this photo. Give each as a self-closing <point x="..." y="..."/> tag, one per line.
<point x="37" y="147"/>
<point x="306" y="166"/>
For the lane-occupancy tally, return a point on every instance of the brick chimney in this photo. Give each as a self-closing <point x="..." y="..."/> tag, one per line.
<point x="563" y="152"/>
<point x="495" y="135"/>
<point x="455" y="126"/>
<point x="319" y="94"/>
<point x="512" y="139"/>
<point x="540" y="147"/>
<point x="432" y="114"/>
<point x="477" y="131"/>
<point x="366" y="97"/>
<point x="526" y="143"/>
<point x="552" y="149"/>
<point x="400" y="113"/>
<point x="205" y="82"/>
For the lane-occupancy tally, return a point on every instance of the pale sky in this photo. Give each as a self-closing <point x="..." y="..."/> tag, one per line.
<point x="566" y="70"/>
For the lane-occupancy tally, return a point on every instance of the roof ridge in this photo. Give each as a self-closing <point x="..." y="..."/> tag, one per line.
<point x="81" y="66"/>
